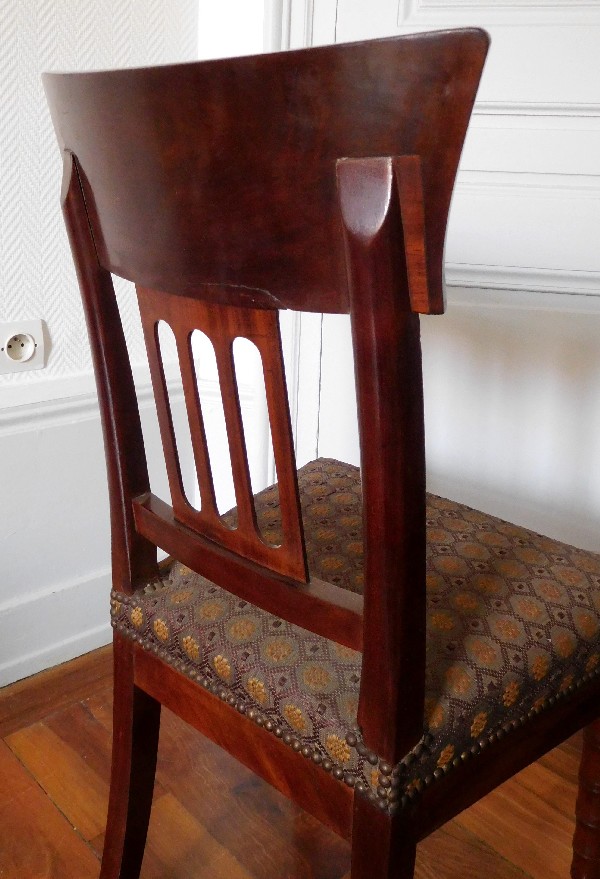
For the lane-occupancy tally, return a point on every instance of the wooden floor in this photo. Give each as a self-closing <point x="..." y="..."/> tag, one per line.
<point x="212" y="818"/>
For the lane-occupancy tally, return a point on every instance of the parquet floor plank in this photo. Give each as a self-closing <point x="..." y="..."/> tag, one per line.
<point x="212" y="817"/>
<point x="99" y="706"/>
<point x="564" y="761"/>
<point x="36" y="841"/>
<point x="255" y="822"/>
<point x="180" y="846"/>
<point x="34" y="698"/>
<point x="79" y="792"/>
<point x="524" y="828"/>
<point x="463" y="856"/>
<point x="558" y="792"/>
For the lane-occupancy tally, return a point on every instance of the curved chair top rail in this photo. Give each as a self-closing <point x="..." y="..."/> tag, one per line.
<point x="238" y="187"/>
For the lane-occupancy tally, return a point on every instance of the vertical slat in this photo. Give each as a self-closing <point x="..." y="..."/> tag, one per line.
<point x="222" y="324"/>
<point x="235" y="434"/>
<point x="268" y="342"/>
<point x="163" y="409"/>
<point x="197" y="428"/>
<point x="390" y="404"/>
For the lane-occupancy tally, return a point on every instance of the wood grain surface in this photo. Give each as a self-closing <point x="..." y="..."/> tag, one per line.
<point x="213" y="817"/>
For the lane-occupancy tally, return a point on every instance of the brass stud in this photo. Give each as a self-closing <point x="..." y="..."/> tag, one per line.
<point x="350" y="779"/>
<point x="385" y="768"/>
<point x="338" y="773"/>
<point x="306" y="751"/>
<point x="317" y="758"/>
<point x="351" y="739"/>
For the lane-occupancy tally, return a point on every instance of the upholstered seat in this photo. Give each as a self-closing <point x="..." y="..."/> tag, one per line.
<point x="513" y="625"/>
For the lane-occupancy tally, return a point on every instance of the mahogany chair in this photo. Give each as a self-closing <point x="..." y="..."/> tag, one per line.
<point x="382" y="658"/>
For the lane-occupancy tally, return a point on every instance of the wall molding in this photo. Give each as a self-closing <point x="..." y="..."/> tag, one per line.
<point x="541" y="108"/>
<point x="527" y="280"/>
<point x="503" y="13"/>
<point x="83" y="404"/>
<point x="521" y="300"/>
<point x="546" y="184"/>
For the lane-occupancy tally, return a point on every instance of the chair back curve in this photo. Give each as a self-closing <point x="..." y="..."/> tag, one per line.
<point x="317" y="180"/>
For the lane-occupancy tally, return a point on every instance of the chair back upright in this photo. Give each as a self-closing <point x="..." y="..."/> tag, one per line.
<point x="316" y="180"/>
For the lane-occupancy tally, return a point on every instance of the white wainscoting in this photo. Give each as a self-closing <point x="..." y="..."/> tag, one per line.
<point x="512" y="371"/>
<point x="54" y="518"/>
<point x="512" y="408"/>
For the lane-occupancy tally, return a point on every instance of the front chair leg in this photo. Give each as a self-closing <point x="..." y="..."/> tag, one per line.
<point x="383" y="847"/>
<point x="586" y="842"/>
<point x="136" y="722"/>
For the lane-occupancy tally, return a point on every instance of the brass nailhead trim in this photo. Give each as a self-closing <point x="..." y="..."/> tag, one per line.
<point x="387" y="795"/>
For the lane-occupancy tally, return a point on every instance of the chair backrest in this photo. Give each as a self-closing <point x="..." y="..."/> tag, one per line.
<point x="316" y="180"/>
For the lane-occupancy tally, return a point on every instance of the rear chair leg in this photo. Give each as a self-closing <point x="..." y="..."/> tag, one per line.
<point x="383" y="847"/>
<point x="586" y="842"/>
<point x="136" y="722"/>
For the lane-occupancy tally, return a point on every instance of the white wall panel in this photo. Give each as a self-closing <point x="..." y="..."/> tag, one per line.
<point x="54" y="527"/>
<point x="512" y="372"/>
<point x="36" y="274"/>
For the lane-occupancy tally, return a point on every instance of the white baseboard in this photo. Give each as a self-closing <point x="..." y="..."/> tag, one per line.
<point x="50" y="627"/>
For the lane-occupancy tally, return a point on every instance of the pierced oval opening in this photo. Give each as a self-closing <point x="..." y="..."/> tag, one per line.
<point x="250" y="378"/>
<point x="179" y="414"/>
<point x="211" y="404"/>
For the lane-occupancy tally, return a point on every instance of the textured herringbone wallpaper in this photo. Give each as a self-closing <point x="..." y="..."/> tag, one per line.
<point x="36" y="274"/>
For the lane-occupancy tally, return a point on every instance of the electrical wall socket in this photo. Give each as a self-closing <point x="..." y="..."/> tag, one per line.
<point x="21" y="346"/>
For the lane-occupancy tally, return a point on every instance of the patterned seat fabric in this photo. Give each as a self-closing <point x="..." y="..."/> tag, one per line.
<point x="513" y="624"/>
